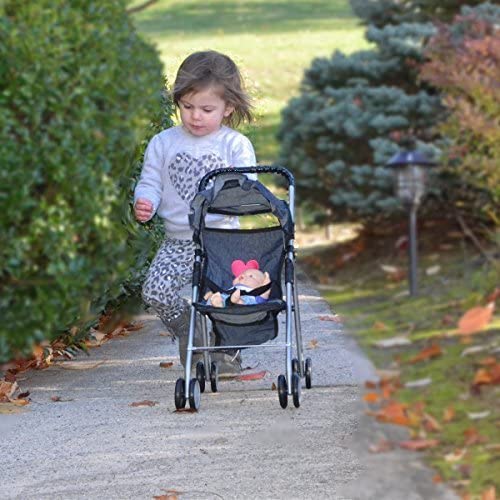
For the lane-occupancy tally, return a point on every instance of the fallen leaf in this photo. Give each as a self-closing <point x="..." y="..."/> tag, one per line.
<point x="369" y="384"/>
<point x="455" y="455"/>
<point x="166" y="364"/>
<point x="186" y="410"/>
<point x="487" y="376"/>
<point x="7" y="389"/>
<point x="313" y="344"/>
<point x="473" y="437"/>
<point x="428" y="353"/>
<point x="493" y="296"/>
<point x="430" y="271"/>
<point x="437" y="479"/>
<point x="20" y="402"/>
<point x="252" y="376"/>
<point x="371" y="397"/>
<point x="475" y="319"/>
<point x="489" y="493"/>
<point x="381" y="447"/>
<point x="144" y="403"/>
<point x="331" y="317"/>
<point x="273" y="387"/>
<point x="448" y="414"/>
<point x="379" y="325"/>
<point x="132" y="327"/>
<point x="418" y="444"/>
<point x="394" y="413"/>
<point x="430" y="423"/>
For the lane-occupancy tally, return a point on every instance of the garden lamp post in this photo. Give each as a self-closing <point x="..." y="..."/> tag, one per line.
<point x="411" y="172"/>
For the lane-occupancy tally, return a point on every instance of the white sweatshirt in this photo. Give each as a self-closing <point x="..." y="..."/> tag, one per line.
<point x="174" y="163"/>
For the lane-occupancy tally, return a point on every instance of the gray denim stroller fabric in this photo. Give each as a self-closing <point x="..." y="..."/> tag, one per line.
<point x="235" y="194"/>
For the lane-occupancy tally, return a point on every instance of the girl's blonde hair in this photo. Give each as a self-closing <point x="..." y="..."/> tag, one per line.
<point x="210" y="68"/>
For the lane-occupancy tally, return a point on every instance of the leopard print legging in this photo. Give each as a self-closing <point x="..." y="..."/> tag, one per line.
<point x="169" y="272"/>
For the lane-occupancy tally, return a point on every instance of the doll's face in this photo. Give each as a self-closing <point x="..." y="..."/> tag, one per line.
<point x="252" y="278"/>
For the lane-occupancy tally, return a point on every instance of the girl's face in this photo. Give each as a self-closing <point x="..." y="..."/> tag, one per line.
<point x="202" y="112"/>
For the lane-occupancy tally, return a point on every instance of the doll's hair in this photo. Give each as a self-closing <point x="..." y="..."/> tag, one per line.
<point x="209" y="68"/>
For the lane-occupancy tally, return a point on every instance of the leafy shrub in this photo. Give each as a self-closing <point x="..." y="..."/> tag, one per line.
<point x="353" y="114"/>
<point x="77" y="89"/>
<point x="465" y="64"/>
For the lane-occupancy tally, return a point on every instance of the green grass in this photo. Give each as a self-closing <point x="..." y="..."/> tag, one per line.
<point x="271" y="41"/>
<point x="375" y="308"/>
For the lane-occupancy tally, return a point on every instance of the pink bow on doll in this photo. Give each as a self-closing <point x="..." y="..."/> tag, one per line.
<point x="238" y="266"/>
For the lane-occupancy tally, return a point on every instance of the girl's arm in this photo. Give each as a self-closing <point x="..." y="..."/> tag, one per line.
<point x="150" y="185"/>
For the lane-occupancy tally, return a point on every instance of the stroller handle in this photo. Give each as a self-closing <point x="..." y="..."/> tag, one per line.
<point x="248" y="170"/>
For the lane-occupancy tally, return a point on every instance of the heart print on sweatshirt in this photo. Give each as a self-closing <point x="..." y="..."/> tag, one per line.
<point x="186" y="172"/>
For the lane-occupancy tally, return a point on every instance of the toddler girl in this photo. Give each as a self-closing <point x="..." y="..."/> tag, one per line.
<point x="209" y="94"/>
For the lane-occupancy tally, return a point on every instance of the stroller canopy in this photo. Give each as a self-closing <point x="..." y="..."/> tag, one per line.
<point x="235" y="194"/>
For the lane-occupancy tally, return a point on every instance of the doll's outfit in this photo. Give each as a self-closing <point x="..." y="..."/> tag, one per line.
<point x="247" y="299"/>
<point x="174" y="163"/>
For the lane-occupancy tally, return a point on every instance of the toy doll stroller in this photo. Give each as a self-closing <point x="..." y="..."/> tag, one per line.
<point x="229" y="192"/>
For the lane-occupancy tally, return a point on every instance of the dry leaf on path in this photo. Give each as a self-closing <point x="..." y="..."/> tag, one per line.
<point x="313" y="344"/>
<point x="144" y="403"/>
<point x="381" y="447"/>
<point x="7" y="389"/>
<point x="252" y="376"/>
<point x="331" y="317"/>
<point x="166" y="364"/>
<point x="371" y="397"/>
<point x="418" y="444"/>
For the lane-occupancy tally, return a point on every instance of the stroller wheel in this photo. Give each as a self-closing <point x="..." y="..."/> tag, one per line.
<point x="308" y="373"/>
<point x="214" y="376"/>
<point x="282" y="391"/>
<point x="295" y="365"/>
<point x="296" y="389"/>
<point x="194" y="394"/>
<point x="180" y="399"/>
<point x="200" y="375"/>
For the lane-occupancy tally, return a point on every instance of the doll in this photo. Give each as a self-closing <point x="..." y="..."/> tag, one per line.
<point x="248" y="277"/>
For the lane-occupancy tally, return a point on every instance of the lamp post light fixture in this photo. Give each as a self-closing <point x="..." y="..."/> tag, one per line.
<point x="411" y="176"/>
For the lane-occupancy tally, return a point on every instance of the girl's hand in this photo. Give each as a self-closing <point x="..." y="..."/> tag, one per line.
<point x="143" y="210"/>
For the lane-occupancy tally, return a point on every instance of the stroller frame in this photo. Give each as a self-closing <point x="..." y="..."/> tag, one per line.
<point x="190" y="388"/>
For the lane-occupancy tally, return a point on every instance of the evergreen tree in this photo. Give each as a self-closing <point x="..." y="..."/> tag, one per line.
<point x="353" y="114"/>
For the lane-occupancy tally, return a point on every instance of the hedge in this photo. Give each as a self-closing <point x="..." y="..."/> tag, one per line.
<point x="78" y="87"/>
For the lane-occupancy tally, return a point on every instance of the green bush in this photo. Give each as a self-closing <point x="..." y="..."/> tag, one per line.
<point x="354" y="112"/>
<point x="77" y="89"/>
